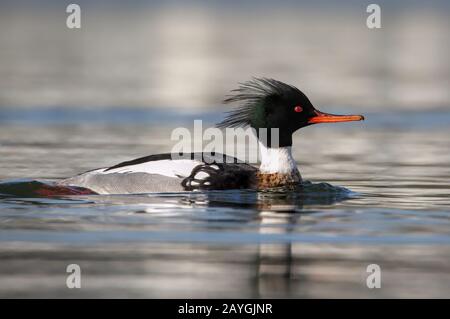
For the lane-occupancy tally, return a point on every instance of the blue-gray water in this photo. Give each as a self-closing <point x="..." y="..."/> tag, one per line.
<point x="72" y="100"/>
<point x="387" y="203"/>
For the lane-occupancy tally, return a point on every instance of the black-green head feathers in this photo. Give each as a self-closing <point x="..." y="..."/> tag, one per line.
<point x="271" y="104"/>
<point x="264" y="103"/>
<point x="268" y="103"/>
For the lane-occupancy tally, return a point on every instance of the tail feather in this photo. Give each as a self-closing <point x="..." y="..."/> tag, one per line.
<point x="34" y="188"/>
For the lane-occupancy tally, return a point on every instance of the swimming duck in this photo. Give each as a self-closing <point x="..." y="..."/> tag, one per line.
<point x="263" y="104"/>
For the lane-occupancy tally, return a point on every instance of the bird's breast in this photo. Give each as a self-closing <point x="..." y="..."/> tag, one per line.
<point x="271" y="180"/>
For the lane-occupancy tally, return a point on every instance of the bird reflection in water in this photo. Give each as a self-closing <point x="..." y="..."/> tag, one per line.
<point x="278" y="213"/>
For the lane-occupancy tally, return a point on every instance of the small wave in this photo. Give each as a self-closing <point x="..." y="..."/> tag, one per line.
<point x="281" y="198"/>
<point x="284" y="198"/>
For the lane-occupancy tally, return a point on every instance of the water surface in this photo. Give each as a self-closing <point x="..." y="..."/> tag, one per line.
<point x="377" y="192"/>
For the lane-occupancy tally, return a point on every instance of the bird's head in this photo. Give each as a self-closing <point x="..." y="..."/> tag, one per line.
<point x="268" y="103"/>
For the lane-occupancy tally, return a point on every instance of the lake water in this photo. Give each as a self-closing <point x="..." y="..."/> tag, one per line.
<point x="76" y="99"/>
<point x="387" y="203"/>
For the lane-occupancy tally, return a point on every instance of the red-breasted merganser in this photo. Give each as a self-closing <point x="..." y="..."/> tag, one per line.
<point x="265" y="103"/>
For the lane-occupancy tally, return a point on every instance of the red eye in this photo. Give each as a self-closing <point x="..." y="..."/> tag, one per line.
<point x="298" y="109"/>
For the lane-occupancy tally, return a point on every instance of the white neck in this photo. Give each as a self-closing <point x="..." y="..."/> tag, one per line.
<point x="277" y="160"/>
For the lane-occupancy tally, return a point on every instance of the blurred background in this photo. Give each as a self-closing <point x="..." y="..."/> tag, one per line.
<point x="187" y="54"/>
<point x="76" y="99"/>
